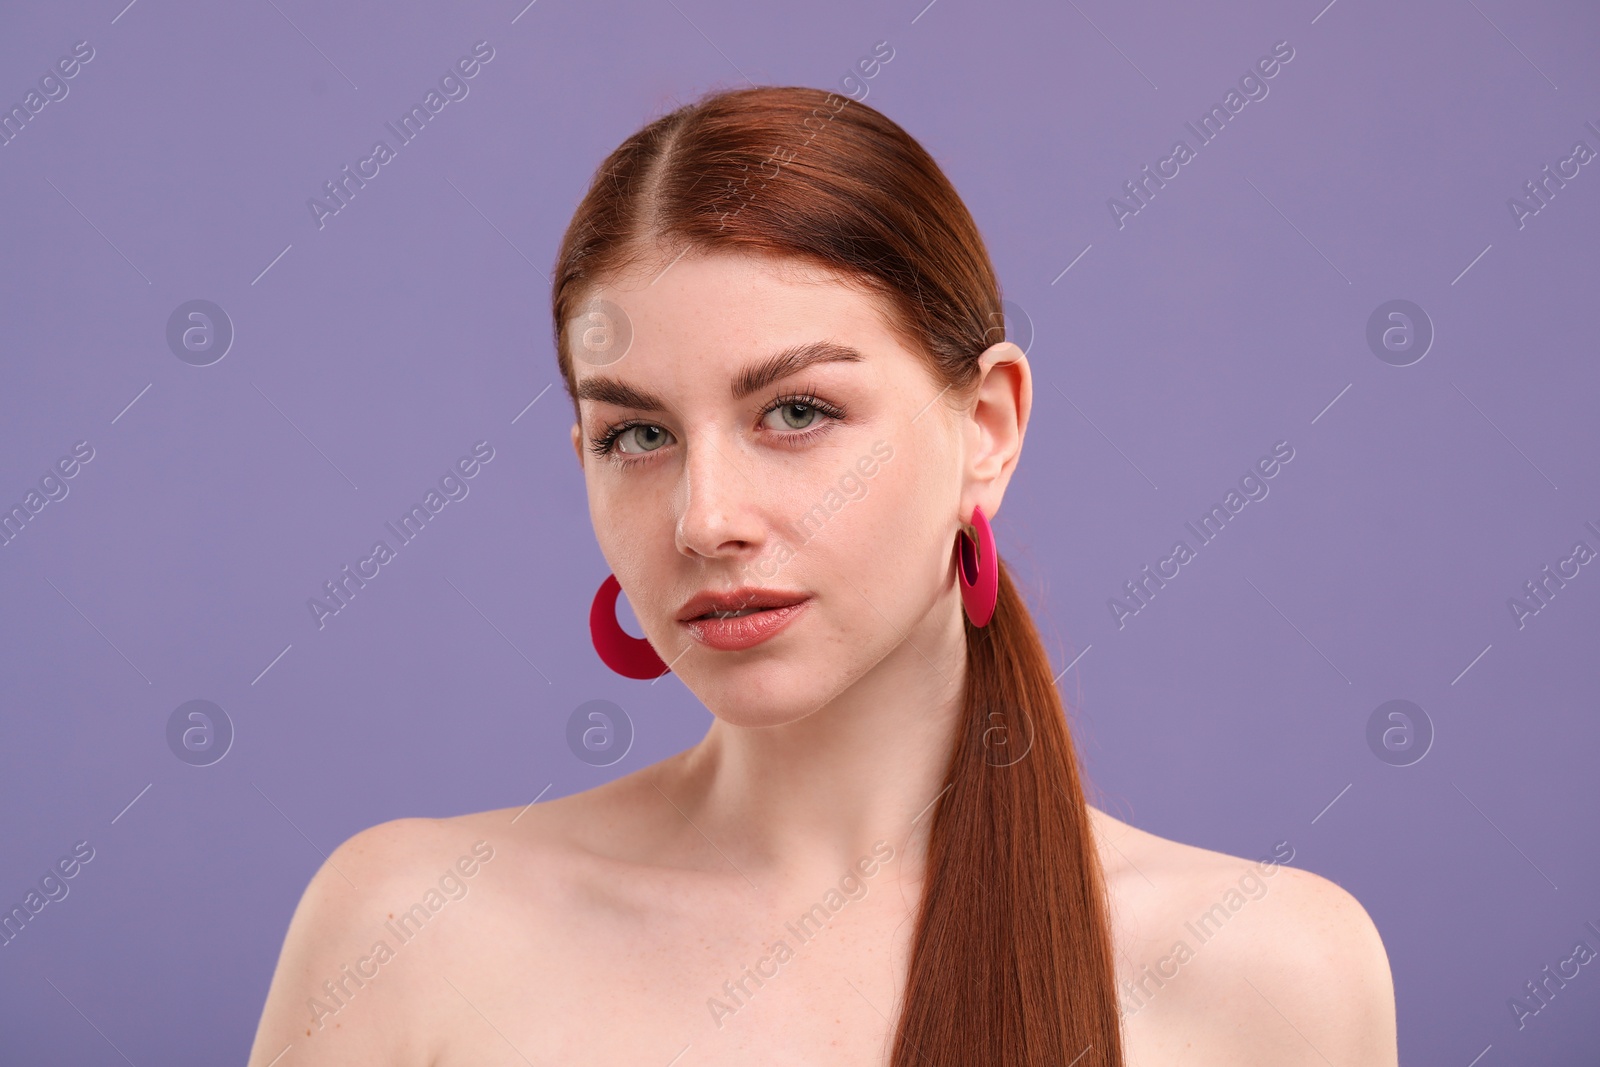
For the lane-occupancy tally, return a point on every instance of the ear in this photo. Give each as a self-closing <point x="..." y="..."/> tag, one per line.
<point x="577" y="445"/>
<point x="996" y="426"/>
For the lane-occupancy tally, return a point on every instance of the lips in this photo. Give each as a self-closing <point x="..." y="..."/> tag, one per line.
<point x="773" y="610"/>
<point x="727" y="600"/>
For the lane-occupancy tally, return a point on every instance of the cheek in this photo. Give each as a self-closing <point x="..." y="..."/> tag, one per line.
<point x="635" y="537"/>
<point x="885" y="535"/>
<point x="626" y="509"/>
<point x="902" y="503"/>
<point x="878" y="566"/>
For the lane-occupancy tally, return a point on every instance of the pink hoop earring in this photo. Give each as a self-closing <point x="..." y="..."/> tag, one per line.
<point x="629" y="656"/>
<point x="978" y="569"/>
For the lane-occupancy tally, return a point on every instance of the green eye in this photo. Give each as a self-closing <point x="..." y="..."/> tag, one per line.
<point x="653" y="438"/>
<point x="797" y="415"/>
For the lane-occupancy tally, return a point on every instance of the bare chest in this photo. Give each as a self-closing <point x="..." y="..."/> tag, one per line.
<point x="702" y="985"/>
<point x="711" y="985"/>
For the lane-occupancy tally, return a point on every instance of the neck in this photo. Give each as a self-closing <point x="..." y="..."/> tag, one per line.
<point x="813" y="797"/>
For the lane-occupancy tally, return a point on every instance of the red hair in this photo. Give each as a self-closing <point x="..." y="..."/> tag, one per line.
<point x="1011" y="961"/>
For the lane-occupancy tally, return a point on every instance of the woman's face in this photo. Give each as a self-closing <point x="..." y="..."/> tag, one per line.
<point x="836" y="478"/>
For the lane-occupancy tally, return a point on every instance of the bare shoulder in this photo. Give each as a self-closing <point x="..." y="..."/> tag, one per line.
<point x="344" y="990"/>
<point x="1223" y="958"/>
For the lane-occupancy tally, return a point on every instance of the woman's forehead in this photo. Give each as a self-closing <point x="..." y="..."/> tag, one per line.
<point x="733" y="291"/>
<point x="721" y="318"/>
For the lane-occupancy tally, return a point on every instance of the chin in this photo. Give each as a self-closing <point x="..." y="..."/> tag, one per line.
<point x="772" y="692"/>
<point x="743" y="717"/>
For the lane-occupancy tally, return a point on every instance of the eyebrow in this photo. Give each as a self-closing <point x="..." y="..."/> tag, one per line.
<point x="751" y="379"/>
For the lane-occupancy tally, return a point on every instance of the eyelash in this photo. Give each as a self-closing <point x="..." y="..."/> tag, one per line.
<point x="602" y="445"/>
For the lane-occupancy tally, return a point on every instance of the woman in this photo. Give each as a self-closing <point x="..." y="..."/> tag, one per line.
<point x="796" y="417"/>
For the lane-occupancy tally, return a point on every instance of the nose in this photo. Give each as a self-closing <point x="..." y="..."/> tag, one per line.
<point x="717" y="501"/>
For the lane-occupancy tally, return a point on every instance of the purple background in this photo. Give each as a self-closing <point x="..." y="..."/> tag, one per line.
<point x="1227" y="315"/>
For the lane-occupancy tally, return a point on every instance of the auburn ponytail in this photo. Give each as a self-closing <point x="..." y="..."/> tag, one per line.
<point x="1011" y="961"/>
